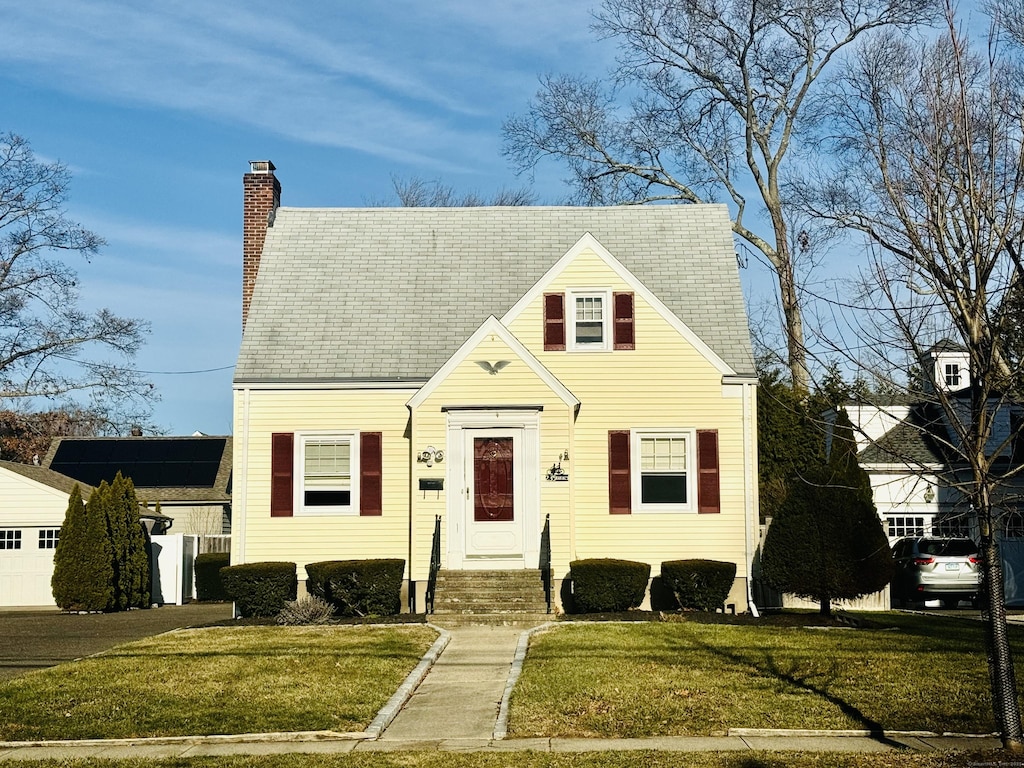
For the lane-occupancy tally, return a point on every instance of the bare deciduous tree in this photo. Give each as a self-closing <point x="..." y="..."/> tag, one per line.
<point x="415" y="192"/>
<point x="717" y="93"/>
<point x="930" y="151"/>
<point x="48" y="344"/>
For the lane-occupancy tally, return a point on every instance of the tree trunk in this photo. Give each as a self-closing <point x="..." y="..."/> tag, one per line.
<point x="789" y="298"/>
<point x="997" y="641"/>
<point x="825" y="607"/>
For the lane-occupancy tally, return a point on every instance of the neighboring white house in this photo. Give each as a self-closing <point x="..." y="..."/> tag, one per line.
<point x="906" y="448"/>
<point x="189" y="476"/>
<point x="33" y="502"/>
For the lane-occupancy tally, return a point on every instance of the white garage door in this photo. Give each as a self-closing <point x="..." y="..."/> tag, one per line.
<point x="26" y="565"/>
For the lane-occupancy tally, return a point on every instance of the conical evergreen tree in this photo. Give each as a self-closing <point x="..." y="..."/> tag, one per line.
<point x="136" y="576"/>
<point x="129" y="546"/>
<point x="67" y="560"/>
<point x="99" y="537"/>
<point x="827" y="541"/>
<point x="117" y="529"/>
<point x="82" y="569"/>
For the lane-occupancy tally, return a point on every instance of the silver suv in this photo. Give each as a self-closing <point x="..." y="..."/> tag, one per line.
<point x="928" y="568"/>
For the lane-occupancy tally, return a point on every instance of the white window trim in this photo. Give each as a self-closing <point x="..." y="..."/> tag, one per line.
<point x="635" y="436"/>
<point x="299" y="473"/>
<point x="605" y="294"/>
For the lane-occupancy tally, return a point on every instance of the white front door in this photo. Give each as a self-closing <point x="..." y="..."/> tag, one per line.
<point x="494" y="506"/>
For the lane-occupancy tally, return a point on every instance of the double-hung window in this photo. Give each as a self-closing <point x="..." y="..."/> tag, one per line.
<point x="952" y="375"/>
<point x="589" y="320"/>
<point x="663" y="477"/>
<point x="325" y="467"/>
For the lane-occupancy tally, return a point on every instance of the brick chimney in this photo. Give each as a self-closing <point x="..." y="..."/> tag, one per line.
<point x="262" y="196"/>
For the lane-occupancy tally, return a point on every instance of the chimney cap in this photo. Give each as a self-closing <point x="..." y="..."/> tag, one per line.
<point x="261" y="166"/>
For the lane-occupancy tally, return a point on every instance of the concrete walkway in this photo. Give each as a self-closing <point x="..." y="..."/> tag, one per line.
<point x="460" y="696"/>
<point x="455" y="708"/>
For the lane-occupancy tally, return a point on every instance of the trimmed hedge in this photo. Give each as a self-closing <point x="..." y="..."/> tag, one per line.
<point x="701" y="585"/>
<point x="604" y="585"/>
<point x="208" y="584"/>
<point x="260" y="589"/>
<point x="358" y="587"/>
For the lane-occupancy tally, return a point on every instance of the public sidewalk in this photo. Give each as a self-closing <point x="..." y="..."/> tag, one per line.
<point x="455" y="707"/>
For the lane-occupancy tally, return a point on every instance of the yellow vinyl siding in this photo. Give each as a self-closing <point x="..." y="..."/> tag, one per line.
<point x="663" y="383"/>
<point x="306" y="538"/>
<point x="470" y="384"/>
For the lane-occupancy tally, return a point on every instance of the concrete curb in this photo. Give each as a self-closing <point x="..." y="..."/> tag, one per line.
<point x="501" y="724"/>
<point x="823" y="733"/>
<point x="390" y="710"/>
<point x="232" y="738"/>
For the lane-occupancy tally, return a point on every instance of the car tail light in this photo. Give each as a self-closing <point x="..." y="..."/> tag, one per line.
<point x="924" y="560"/>
<point x="973" y="559"/>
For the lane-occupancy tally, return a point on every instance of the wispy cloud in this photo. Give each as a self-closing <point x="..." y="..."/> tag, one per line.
<point x="188" y="246"/>
<point x="410" y="82"/>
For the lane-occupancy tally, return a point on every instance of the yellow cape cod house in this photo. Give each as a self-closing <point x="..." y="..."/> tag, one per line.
<point x="483" y="372"/>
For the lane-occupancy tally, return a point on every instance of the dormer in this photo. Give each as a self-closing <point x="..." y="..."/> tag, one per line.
<point x="949" y="364"/>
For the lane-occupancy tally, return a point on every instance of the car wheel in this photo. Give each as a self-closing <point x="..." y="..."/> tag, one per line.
<point x="949" y="601"/>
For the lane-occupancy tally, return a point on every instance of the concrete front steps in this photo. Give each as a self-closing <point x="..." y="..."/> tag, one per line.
<point x="509" y="598"/>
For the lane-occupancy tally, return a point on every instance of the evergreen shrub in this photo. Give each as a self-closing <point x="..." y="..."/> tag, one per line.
<point x="260" y="589"/>
<point x="358" y="587"/>
<point x="700" y="585"/>
<point x="130" y="546"/>
<point x="82" y="565"/>
<point x="602" y="585"/>
<point x="208" y="583"/>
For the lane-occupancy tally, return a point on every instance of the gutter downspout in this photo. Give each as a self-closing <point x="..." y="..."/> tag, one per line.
<point x="750" y="498"/>
<point x="241" y="485"/>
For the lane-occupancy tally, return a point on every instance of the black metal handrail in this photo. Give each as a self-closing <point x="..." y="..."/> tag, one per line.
<point x="435" y="564"/>
<point x="545" y="559"/>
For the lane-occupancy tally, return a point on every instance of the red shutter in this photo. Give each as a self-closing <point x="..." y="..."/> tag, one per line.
<point x="708" y="496"/>
<point x="282" y="461"/>
<point x="370" y="485"/>
<point x="554" y="321"/>
<point x="622" y="304"/>
<point x="619" y="485"/>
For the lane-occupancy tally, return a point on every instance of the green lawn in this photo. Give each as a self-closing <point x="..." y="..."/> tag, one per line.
<point x="218" y="680"/>
<point x="563" y="760"/>
<point x="686" y="678"/>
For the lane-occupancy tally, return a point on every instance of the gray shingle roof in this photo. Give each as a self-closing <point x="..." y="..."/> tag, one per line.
<point x="391" y="293"/>
<point x="912" y="441"/>
<point x="47" y="477"/>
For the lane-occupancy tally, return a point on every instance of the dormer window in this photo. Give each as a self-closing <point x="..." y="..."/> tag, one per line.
<point x="588" y="320"/>
<point x="952" y="374"/>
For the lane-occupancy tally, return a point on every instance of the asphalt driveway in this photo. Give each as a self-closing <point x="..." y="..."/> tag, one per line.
<point x="35" y="639"/>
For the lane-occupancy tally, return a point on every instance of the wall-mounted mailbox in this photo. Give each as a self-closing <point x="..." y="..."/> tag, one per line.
<point x="431" y="483"/>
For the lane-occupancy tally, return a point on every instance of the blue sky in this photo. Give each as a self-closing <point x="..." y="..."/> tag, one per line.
<point x="157" y="109"/>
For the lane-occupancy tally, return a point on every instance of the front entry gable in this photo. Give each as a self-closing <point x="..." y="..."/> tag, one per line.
<point x="493" y="367"/>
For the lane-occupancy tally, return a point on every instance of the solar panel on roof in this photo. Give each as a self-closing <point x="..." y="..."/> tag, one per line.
<point x="187" y="463"/>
